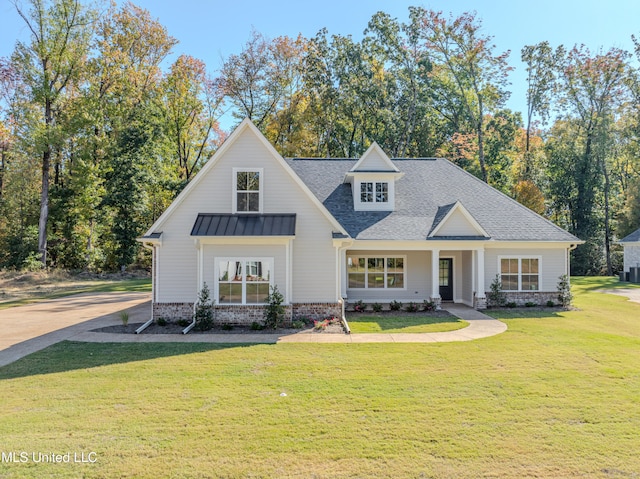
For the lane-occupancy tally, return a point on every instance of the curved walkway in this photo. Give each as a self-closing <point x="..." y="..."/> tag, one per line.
<point x="30" y="328"/>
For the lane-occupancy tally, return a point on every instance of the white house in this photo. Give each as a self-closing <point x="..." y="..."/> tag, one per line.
<point x="631" y="246"/>
<point x="327" y="230"/>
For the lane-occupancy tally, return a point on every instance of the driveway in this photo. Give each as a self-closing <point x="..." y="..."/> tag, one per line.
<point x="30" y="328"/>
<point x="632" y="293"/>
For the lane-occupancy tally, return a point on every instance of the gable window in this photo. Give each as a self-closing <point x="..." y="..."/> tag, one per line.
<point x="520" y="273"/>
<point x="243" y="280"/>
<point x="375" y="272"/>
<point x="247" y="188"/>
<point x="367" y="190"/>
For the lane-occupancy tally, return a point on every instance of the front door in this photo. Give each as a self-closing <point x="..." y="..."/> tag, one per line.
<point x="446" y="279"/>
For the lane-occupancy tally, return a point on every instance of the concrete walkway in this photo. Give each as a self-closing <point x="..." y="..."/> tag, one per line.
<point x="27" y="329"/>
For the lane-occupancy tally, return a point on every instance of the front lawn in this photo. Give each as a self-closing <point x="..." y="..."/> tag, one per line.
<point x="406" y="323"/>
<point x="556" y="396"/>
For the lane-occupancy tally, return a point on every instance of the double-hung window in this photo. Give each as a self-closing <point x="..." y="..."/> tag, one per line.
<point x="375" y="272"/>
<point x="520" y="273"/>
<point x="247" y="190"/>
<point x="374" y="192"/>
<point x="243" y="280"/>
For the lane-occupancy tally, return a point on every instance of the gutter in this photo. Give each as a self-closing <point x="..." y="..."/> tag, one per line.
<point x="345" y="324"/>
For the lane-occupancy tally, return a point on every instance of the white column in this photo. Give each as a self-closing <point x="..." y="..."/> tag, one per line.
<point x="481" y="299"/>
<point x="343" y="272"/>
<point x="435" y="277"/>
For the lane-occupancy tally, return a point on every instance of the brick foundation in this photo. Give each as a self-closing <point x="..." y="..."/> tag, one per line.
<point x="244" y="315"/>
<point x="522" y="297"/>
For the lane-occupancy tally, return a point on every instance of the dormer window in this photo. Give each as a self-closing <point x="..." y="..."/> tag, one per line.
<point x="247" y="189"/>
<point x="367" y="192"/>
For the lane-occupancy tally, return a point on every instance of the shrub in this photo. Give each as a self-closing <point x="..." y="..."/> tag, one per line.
<point x="298" y="324"/>
<point x="411" y="307"/>
<point x="550" y="304"/>
<point x="512" y="304"/>
<point x="183" y="322"/>
<point x="376" y="307"/>
<point x="359" y="306"/>
<point x="227" y="327"/>
<point x="274" y="310"/>
<point x="496" y="295"/>
<point x="161" y="321"/>
<point x="124" y="317"/>
<point x="564" y="291"/>
<point x="256" y="326"/>
<point x="395" y="305"/>
<point x="530" y="304"/>
<point x="204" y="312"/>
<point x="428" y="305"/>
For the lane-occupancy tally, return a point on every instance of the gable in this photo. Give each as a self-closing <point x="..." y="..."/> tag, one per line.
<point x="212" y="189"/>
<point x="374" y="159"/>
<point x="455" y="220"/>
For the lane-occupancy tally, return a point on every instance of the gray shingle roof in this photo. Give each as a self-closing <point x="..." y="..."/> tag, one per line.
<point x="208" y="224"/>
<point x="631" y="238"/>
<point x="423" y="196"/>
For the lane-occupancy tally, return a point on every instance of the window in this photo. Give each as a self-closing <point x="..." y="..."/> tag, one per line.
<point x="244" y="281"/>
<point x="247" y="186"/>
<point x="520" y="274"/>
<point x="375" y="272"/>
<point x="367" y="192"/>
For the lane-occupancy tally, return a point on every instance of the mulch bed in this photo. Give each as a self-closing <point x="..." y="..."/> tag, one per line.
<point x="172" y="328"/>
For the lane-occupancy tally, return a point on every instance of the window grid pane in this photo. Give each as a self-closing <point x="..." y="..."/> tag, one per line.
<point x="366" y="192"/>
<point x="382" y="194"/>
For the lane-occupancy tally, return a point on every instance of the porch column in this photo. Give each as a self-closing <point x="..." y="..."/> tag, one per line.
<point x="435" y="277"/>
<point x="480" y="299"/>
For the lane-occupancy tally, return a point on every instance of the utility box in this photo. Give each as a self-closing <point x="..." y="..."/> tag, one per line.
<point x="634" y="275"/>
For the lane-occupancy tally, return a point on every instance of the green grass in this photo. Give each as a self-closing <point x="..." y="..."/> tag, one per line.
<point x="556" y="396"/>
<point x="404" y="324"/>
<point x="142" y="285"/>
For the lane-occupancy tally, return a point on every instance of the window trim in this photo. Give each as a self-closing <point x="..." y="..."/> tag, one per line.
<point x="374" y="192"/>
<point x="244" y="260"/>
<point x="366" y="273"/>
<point x="234" y="187"/>
<point x="520" y="258"/>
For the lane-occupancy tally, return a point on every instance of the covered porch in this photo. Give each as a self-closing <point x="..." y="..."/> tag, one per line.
<point x="414" y="273"/>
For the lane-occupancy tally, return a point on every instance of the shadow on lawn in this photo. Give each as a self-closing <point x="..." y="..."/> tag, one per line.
<point x="596" y="283"/>
<point x="70" y="355"/>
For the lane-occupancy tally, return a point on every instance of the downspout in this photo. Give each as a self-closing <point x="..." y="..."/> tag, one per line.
<point x="568" y="268"/>
<point x="200" y="282"/>
<point x="153" y="285"/>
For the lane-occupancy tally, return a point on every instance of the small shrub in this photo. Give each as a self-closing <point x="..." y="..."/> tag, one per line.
<point x="161" y="321"/>
<point x="530" y="304"/>
<point x="32" y="262"/>
<point x="204" y="312"/>
<point x="274" y="310"/>
<point x="359" y="306"/>
<point x="227" y="327"/>
<point x="376" y="307"/>
<point x="320" y="325"/>
<point x="550" y="304"/>
<point x="564" y="291"/>
<point x="298" y="324"/>
<point x="183" y="322"/>
<point x="256" y="326"/>
<point x="428" y="305"/>
<point x="512" y="304"/>
<point x="411" y="307"/>
<point x="395" y="305"/>
<point x="124" y="317"/>
<point x="496" y="295"/>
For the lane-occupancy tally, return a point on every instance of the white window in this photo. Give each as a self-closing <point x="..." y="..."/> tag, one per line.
<point x="375" y="272"/>
<point x="243" y="280"/>
<point x="520" y="273"/>
<point x="371" y="192"/>
<point x="247" y="189"/>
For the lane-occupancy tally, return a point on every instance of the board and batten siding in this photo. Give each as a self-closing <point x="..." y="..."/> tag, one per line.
<point x="553" y="264"/>
<point x="314" y="263"/>
<point x="457" y="225"/>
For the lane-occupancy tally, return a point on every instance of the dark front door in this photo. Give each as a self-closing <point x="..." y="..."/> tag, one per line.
<point x="446" y="279"/>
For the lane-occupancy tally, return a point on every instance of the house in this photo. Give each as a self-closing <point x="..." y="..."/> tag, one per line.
<point x="328" y="230"/>
<point x="631" y="246"/>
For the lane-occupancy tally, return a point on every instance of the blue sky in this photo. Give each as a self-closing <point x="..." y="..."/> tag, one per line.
<point x="211" y="30"/>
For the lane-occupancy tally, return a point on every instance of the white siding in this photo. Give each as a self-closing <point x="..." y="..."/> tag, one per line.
<point x="552" y="266"/>
<point x="457" y="225"/>
<point x="374" y="162"/>
<point x="466" y="280"/>
<point x="417" y="278"/>
<point x="314" y="264"/>
<point x="631" y="256"/>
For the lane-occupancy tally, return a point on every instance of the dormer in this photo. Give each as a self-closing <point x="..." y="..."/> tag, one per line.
<point x="372" y="181"/>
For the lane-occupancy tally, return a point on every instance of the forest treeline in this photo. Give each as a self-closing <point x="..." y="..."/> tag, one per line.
<point x="98" y="133"/>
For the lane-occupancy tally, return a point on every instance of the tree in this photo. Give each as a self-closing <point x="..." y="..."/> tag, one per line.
<point x="60" y="33"/>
